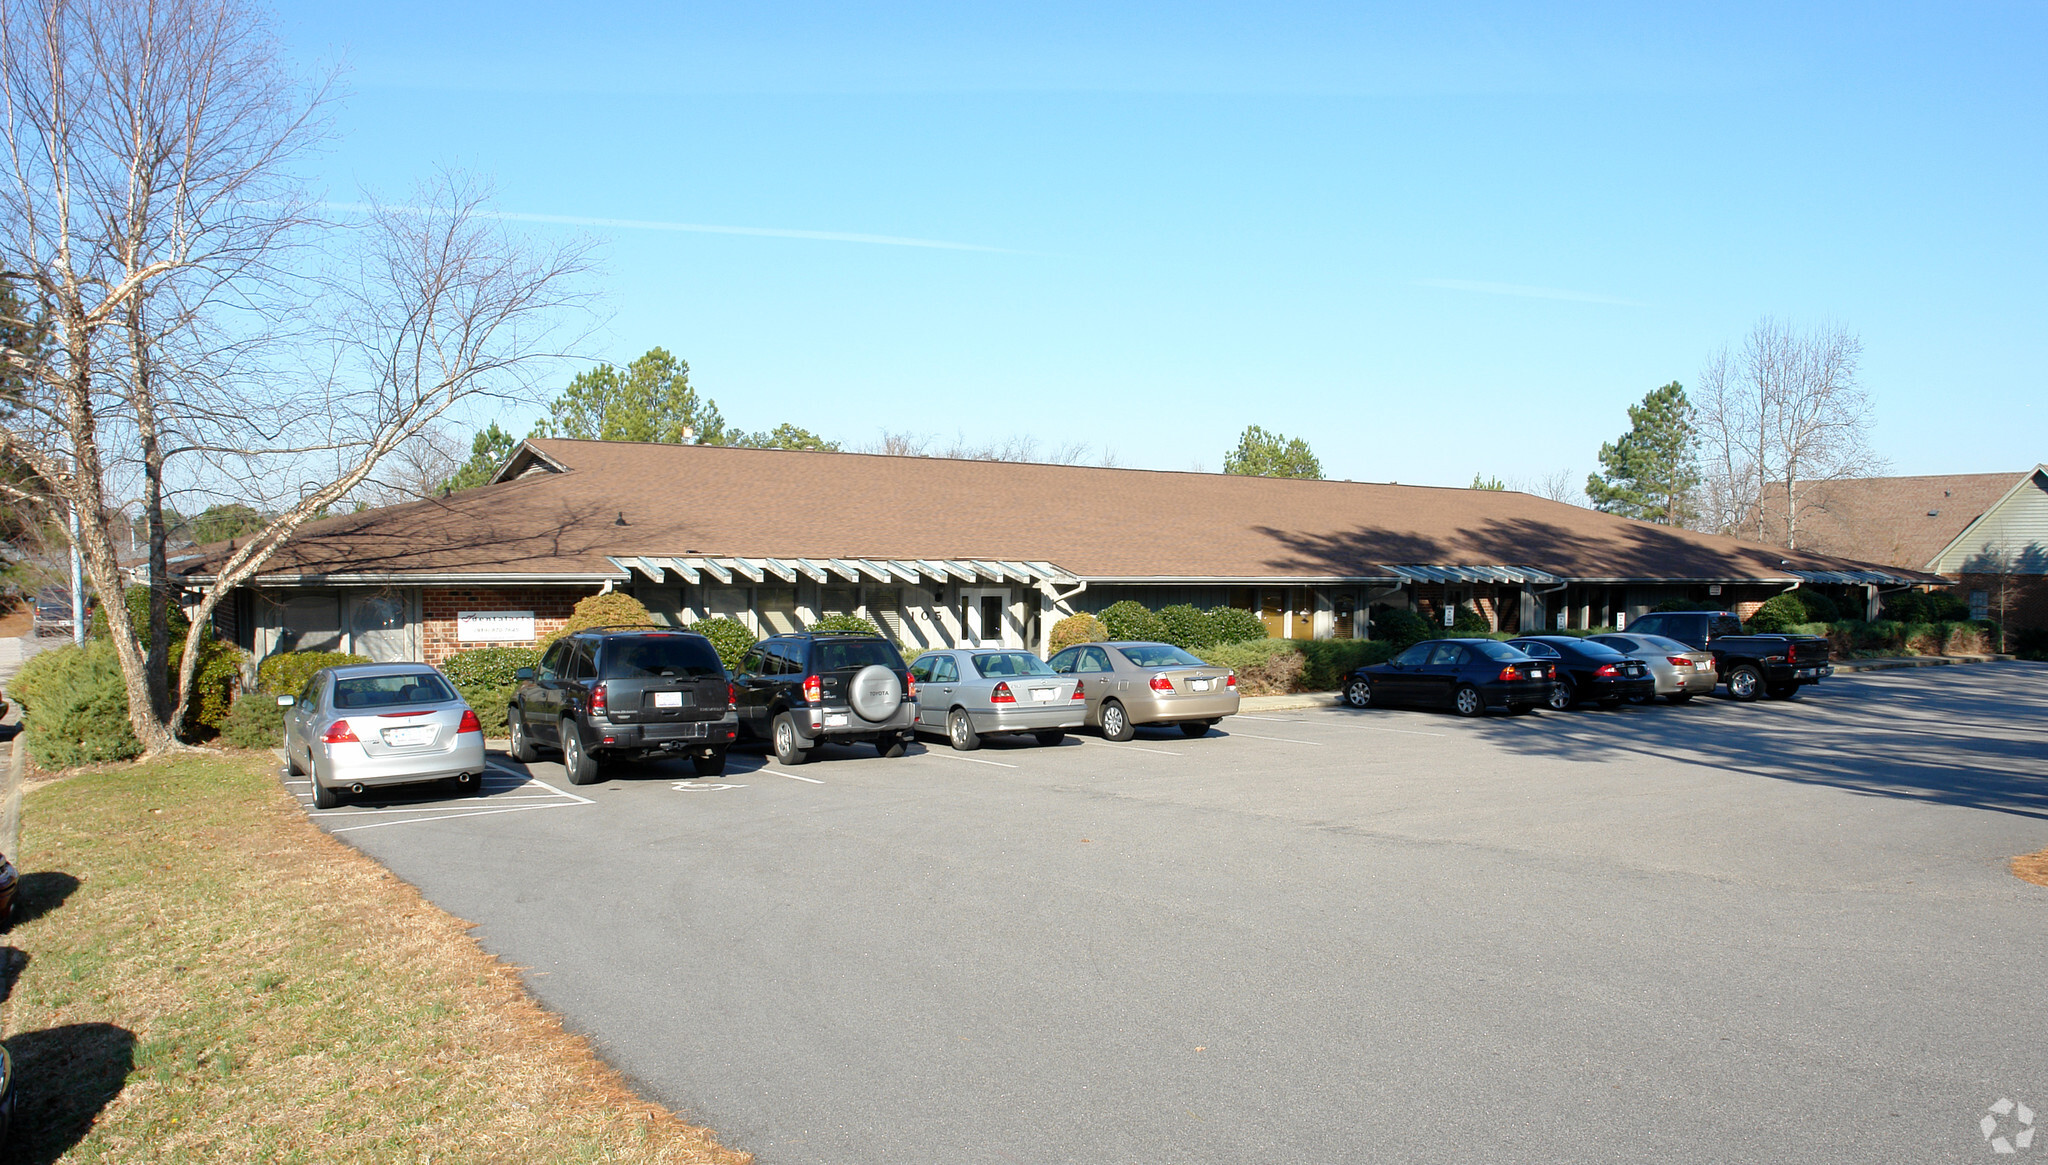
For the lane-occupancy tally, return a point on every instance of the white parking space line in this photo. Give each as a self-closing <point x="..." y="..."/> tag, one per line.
<point x="445" y="817"/>
<point x="794" y="777"/>
<point x="1281" y="739"/>
<point x="1142" y="748"/>
<point x="969" y="759"/>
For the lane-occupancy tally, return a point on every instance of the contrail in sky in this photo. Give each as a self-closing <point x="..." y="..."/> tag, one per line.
<point x="1524" y="291"/>
<point x="634" y="224"/>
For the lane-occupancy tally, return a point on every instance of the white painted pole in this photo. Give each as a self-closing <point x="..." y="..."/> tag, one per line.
<point x="77" y="585"/>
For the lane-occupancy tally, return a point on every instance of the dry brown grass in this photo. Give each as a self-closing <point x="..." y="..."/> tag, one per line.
<point x="2032" y="868"/>
<point x="251" y="990"/>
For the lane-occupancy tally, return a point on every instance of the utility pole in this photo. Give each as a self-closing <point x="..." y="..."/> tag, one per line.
<point x="77" y="584"/>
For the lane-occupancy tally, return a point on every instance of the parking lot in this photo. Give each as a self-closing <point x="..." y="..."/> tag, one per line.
<point x="1703" y="933"/>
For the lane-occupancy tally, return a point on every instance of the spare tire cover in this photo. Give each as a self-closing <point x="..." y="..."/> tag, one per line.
<point x="875" y="693"/>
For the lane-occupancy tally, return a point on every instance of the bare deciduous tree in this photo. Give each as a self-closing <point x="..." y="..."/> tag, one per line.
<point x="1016" y="448"/>
<point x="152" y="221"/>
<point x="1780" y="414"/>
<point x="1560" y="486"/>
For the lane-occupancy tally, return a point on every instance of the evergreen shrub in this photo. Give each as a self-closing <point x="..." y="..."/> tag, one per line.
<point x="75" y="707"/>
<point x="853" y="623"/>
<point x="1235" y="625"/>
<point x="485" y="678"/>
<point x="1400" y="627"/>
<point x="1128" y="619"/>
<point x="728" y="635"/>
<point x="613" y="609"/>
<point x="1185" y="627"/>
<point x="256" y="721"/>
<point x="1083" y="628"/>
<point x="285" y="673"/>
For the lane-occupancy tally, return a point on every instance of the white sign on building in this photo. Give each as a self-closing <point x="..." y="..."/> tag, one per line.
<point x="494" y="626"/>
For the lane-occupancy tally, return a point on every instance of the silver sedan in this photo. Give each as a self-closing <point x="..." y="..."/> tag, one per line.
<point x="1681" y="670"/>
<point x="371" y="725"/>
<point x="1133" y="683"/>
<point x="969" y="694"/>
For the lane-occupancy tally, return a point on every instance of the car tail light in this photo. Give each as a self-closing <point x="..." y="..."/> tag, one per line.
<point x="1510" y="674"/>
<point x="1002" y="694"/>
<point x="469" y="723"/>
<point x="597" y="700"/>
<point x="339" y="733"/>
<point x="909" y="686"/>
<point x="732" y="697"/>
<point x="814" y="689"/>
<point x="1679" y="660"/>
<point x="1080" y="689"/>
<point x="1161" y="684"/>
<point x="1607" y="669"/>
<point x="1230" y="681"/>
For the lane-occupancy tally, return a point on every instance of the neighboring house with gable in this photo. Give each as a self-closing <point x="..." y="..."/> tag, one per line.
<point x="942" y="552"/>
<point x="1987" y="532"/>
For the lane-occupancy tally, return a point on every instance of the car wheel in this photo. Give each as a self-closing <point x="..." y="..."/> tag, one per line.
<point x="291" y="761"/>
<point x="891" y="747"/>
<point x="960" y="731"/>
<point x="1562" y="696"/>
<point x="522" y="749"/>
<point x="1050" y="739"/>
<point x="1116" y="723"/>
<point x="709" y="766"/>
<point x="324" y="797"/>
<point x="576" y="758"/>
<point x="1782" y="691"/>
<point x="1745" y="683"/>
<point x="789" y="750"/>
<point x="1358" y="693"/>
<point x="1467" y="701"/>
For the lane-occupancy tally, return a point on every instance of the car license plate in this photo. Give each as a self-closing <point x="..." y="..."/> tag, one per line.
<point x="412" y="735"/>
<point x="668" y="699"/>
<point x="1198" y="685"/>
<point x="1807" y="673"/>
<point x="1044" y="695"/>
<point x="835" y="719"/>
<point x="1535" y="673"/>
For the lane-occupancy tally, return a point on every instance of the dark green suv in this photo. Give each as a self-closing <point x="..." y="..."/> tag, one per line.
<point x="796" y="690"/>
<point x="624" y="693"/>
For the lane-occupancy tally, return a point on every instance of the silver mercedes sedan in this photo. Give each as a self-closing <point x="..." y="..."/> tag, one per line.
<point x="1681" y="670"/>
<point x="371" y="725"/>
<point x="1131" y="683"/>
<point x="971" y="693"/>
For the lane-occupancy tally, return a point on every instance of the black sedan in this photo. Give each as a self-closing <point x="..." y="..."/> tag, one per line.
<point x="1588" y="671"/>
<point x="1467" y="676"/>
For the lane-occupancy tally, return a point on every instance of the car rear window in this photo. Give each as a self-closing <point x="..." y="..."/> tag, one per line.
<point x="660" y="656"/>
<point x="997" y="664"/>
<point x="1598" y="650"/>
<point x="391" y="691"/>
<point x="1495" y="650"/>
<point x="1159" y="655"/>
<point x="846" y="654"/>
<point x="1660" y="643"/>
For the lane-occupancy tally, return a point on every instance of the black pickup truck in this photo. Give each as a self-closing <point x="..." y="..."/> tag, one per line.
<point x="1751" y="665"/>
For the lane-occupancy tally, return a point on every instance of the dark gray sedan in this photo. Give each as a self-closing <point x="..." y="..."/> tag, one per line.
<point x="969" y="694"/>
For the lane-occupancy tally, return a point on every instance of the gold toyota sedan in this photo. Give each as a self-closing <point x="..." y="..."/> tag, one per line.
<point x="1131" y="683"/>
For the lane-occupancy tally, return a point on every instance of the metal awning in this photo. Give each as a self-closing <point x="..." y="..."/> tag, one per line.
<point x="846" y="571"/>
<point x="1883" y="578"/>
<point x="1473" y="574"/>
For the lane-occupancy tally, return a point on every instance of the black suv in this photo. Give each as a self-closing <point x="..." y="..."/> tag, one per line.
<point x="612" y="692"/>
<point x="796" y="690"/>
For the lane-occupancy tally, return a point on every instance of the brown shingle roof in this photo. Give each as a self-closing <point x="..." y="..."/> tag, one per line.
<point x="1095" y="523"/>
<point x="1897" y="521"/>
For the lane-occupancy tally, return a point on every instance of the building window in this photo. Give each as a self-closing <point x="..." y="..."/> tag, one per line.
<point x="1980" y="604"/>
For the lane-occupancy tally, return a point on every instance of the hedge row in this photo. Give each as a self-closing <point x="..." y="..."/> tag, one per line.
<point x="1181" y="624"/>
<point x="1275" y="667"/>
<point x="1853" y="637"/>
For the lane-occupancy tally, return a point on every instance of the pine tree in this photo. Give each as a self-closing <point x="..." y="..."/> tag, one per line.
<point x="1263" y="454"/>
<point x="1651" y="471"/>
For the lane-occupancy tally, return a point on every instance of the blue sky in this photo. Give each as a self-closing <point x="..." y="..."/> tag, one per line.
<point x="1432" y="243"/>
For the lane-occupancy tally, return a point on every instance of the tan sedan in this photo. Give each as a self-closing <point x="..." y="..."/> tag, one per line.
<point x="1132" y="683"/>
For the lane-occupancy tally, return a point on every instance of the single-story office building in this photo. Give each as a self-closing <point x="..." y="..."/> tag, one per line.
<point x="943" y="552"/>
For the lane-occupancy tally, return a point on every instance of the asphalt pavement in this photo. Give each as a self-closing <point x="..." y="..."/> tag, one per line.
<point x="1715" y="932"/>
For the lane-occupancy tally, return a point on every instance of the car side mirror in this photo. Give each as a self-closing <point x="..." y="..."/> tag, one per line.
<point x="285" y="701"/>
<point x="524" y="673"/>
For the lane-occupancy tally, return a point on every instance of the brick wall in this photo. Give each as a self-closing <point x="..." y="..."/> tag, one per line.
<point x="440" y="605"/>
<point x="2026" y="597"/>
